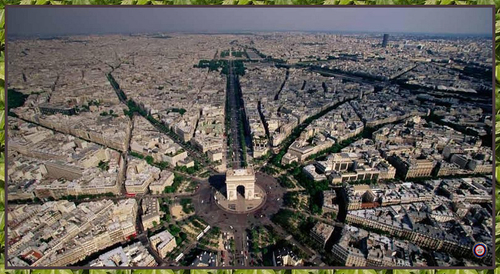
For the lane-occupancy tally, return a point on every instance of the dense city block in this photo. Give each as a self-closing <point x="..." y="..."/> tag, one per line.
<point x="250" y="149"/>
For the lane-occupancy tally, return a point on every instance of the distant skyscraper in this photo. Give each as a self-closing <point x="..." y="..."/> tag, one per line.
<point x="384" y="41"/>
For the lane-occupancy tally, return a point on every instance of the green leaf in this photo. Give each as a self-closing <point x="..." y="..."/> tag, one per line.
<point x="2" y="220"/>
<point x="254" y="271"/>
<point x="128" y="2"/>
<point x="81" y="2"/>
<point x="110" y="271"/>
<point x="153" y="271"/>
<point x="497" y="73"/>
<point x="182" y="2"/>
<point x="142" y="2"/>
<point x="2" y="69"/>
<point x="345" y="2"/>
<point x="203" y="271"/>
<point x="2" y="19"/>
<point x="304" y="271"/>
<point x="384" y="2"/>
<point x="431" y="2"/>
<point x="456" y="271"/>
<point x="356" y="271"/>
<point x="51" y="271"/>
<point x="485" y="2"/>
<point x="404" y="271"/>
<point x="447" y="2"/>
<point x="497" y="176"/>
<point x="244" y="2"/>
<point x="2" y="194"/>
<point x="41" y="2"/>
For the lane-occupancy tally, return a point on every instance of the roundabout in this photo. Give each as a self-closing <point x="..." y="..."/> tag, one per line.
<point x="241" y="205"/>
<point x="211" y="204"/>
<point x="237" y="223"/>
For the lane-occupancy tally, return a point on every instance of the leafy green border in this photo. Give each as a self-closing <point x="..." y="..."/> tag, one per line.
<point x="242" y="2"/>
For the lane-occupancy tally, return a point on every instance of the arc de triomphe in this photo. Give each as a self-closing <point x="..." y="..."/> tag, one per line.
<point x="240" y="177"/>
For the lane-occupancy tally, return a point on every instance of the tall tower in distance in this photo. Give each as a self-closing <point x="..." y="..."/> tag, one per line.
<point x="385" y="39"/>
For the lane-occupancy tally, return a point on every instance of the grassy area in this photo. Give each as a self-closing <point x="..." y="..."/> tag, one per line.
<point x="178" y="179"/>
<point x="260" y="239"/>
<point x="192" y="186"/>
<point x="189" y="170"/>
<point x="314" y="189"/>
<point x="298" y="225"/>
<point x="187" y="205"/>
<point x="211" y="239"/>
<point x="103" y="165"/>
<point x="285" y="181"/>
<point x="293" y="200"/>
<point x="212" y="65"/>
<point x="165" y="208"/>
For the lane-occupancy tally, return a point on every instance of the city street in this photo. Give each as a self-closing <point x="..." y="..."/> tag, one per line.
<point x="207" y="208"/>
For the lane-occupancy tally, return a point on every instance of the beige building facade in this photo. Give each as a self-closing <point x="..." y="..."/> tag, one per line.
<point x="240" y="177"/>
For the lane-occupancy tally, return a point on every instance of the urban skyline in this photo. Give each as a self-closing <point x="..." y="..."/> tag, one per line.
<point x="241" y="150"/>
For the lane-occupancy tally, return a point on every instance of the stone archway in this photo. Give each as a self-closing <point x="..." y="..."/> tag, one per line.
<point x="240" y="177"/>
<point x="241" y="190"/>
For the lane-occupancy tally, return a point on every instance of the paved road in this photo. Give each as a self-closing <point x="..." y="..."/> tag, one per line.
<point x="206" y="207"/>
<point x="235" y="109"/>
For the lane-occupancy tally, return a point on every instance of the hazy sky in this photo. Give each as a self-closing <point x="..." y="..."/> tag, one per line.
<point x="69" y="20"/>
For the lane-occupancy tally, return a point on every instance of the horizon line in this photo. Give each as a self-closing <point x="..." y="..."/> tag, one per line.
<point x="201" y="32"/>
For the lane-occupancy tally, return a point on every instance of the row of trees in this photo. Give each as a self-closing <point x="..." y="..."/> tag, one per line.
<point x="276" y="159"/>
<point x="178" y="179"/>
<point x="187" y="205"/>
<point x="298" y="225"/>
<point x="212" y="65"/>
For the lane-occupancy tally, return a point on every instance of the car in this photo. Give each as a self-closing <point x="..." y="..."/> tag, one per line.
<point x="231" y="227"/>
